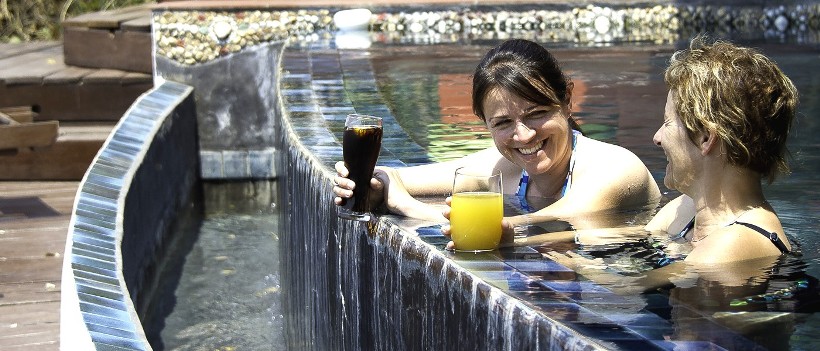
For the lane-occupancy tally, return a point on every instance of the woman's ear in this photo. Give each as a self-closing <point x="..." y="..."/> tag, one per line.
<point x="708" y="142"/>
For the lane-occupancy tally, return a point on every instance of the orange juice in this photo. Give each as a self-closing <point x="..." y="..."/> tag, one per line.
<point x="475" y="220"/>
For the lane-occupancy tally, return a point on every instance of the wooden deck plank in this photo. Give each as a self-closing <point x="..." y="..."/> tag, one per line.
<point x="136" y="78"/>
<point x="108" y="19"/>
<point x="33" y="326"/>
<point x="19" y="224"/>
<point x="40" y="189"/>
<point x="46" y="242"/>
<point x="31" y="67"/>
<point x="26" y="294"/>
<point x="30" y="270"/>
<point x="104" y="75"/>
<point x="10" y="50"/>
<point x="126" y="50"/>
<point x="139" y="24"/>
<point x="37" y="134"/>
<point x="69" y="74"/>
<point x="103" y="101"/>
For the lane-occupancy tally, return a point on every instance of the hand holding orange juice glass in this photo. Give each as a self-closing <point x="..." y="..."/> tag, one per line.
<point x="476" y="211"/>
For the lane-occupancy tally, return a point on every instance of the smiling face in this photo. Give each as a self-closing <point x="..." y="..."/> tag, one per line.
<point x="680" y="151"/>
<point x="534" y="137"/>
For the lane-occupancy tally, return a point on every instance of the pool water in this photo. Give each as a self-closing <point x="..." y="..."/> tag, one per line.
<point x="619" y="98"/>
<point x="225" y="292"/>
<point x="222" y="287"/>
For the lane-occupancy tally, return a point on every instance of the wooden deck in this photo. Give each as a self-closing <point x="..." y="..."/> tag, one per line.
<point x="34" y="220"/>
<point x="85" y="95"/>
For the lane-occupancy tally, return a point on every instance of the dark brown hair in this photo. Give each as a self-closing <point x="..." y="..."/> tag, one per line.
<point x="526" y="69"/>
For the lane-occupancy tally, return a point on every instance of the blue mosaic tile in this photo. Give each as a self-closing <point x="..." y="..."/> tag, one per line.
<point x="303" y="108"/>
<point x="604" y="331"/>
<point x="629" y="344"/>
<point x="569" y="312"/>
<point x="210" y="164"/>
<point x="540" y="296"/>
<point x="235" y="164"/>
<point x="262" y="163"/>
<point x="537" y="266"/>
<point x="96" y="328"/>
<point x="598" y="298"/>
<point x="436" y="240"/>
<point x="688" y="345"/>
<point x="574" y="286"/>
<point x="490" y="269"/>
<point x="430" y="231"/>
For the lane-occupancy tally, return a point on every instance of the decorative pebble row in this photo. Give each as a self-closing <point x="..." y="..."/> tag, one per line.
<point x="192" y="37"/>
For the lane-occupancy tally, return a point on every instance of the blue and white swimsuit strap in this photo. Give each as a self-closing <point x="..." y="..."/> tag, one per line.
<point x="523" y="183"/>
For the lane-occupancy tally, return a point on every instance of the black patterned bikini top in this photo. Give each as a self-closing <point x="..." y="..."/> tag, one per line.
<point x="772" y="236"/>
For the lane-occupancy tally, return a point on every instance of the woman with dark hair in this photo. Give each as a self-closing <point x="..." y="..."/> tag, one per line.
<point x="524" y="98"/>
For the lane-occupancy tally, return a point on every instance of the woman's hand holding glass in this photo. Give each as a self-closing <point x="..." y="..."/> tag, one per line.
<point x="507" y="228"/>
<point x="386" y="188"/>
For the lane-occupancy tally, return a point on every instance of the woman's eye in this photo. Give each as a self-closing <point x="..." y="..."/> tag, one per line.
<point x="501" y="123"/>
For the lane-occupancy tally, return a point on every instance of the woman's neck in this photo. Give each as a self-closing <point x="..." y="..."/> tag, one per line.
<point x="551" y="184"/>
<point x="724" y="197"/>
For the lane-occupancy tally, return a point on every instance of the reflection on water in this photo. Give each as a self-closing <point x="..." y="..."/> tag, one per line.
<point x="621" y="101"/>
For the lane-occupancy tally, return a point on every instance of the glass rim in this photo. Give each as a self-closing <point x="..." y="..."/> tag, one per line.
<point x="362" y="116"/>
<point x="470" y="171"/>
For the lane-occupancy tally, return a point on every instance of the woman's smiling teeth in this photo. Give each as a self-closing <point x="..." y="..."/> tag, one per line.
<point x="532" y="150"/>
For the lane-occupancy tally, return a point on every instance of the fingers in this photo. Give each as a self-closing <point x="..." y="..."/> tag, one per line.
<point x="450" y="246"/>
<point x="445" y="230"/>
<point x="341" y="169"/>
<point x="343" y="187"/>
<point x="378" y="181"/>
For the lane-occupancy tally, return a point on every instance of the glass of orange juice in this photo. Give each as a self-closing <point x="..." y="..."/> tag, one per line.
<point x="476" y="210"/>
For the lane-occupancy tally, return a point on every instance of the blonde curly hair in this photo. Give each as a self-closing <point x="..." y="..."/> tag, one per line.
<point x="741" y="95"/>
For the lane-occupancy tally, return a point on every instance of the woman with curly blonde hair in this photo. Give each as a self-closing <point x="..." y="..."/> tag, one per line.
<point x="727" y="117"/>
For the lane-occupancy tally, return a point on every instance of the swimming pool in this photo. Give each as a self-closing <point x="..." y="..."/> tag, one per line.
<point x="377" y="286"/>
<point x="620" y="99"/>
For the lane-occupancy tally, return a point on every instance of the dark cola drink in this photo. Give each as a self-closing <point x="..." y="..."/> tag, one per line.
<point x="361" y="144"/>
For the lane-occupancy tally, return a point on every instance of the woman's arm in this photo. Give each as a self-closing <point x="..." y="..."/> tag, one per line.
<point x="606" y="177"/>
<point x="396" y="187"/>
<point x="586" y="236"/>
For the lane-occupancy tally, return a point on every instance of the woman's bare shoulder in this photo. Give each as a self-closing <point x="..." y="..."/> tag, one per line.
<point x="673" y="216"/>
<point x="597" y="153"/>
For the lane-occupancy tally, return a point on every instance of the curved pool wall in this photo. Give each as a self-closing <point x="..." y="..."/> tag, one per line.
<point x="143" y="176"/>
<point x="348" y="285"/>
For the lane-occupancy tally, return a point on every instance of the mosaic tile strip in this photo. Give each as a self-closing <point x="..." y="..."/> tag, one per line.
<point x="104" y="316"/>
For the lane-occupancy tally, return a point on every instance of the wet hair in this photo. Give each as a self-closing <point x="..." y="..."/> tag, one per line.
<point x="526" y="69"/>
<point x="739" y="94"/>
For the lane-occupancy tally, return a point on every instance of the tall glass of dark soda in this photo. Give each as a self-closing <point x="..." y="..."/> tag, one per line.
<point x="361" y="144"/>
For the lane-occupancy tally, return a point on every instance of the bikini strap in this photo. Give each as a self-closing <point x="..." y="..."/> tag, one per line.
<point x="685" y="229"/>
<point x="521" y="194"/>
<point x="568" y="180"/>
<point x="772" y="236"/>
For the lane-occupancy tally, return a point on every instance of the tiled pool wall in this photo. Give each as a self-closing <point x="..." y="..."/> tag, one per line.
<point x="353" y="285"/>
<point x="146" y="172"/>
